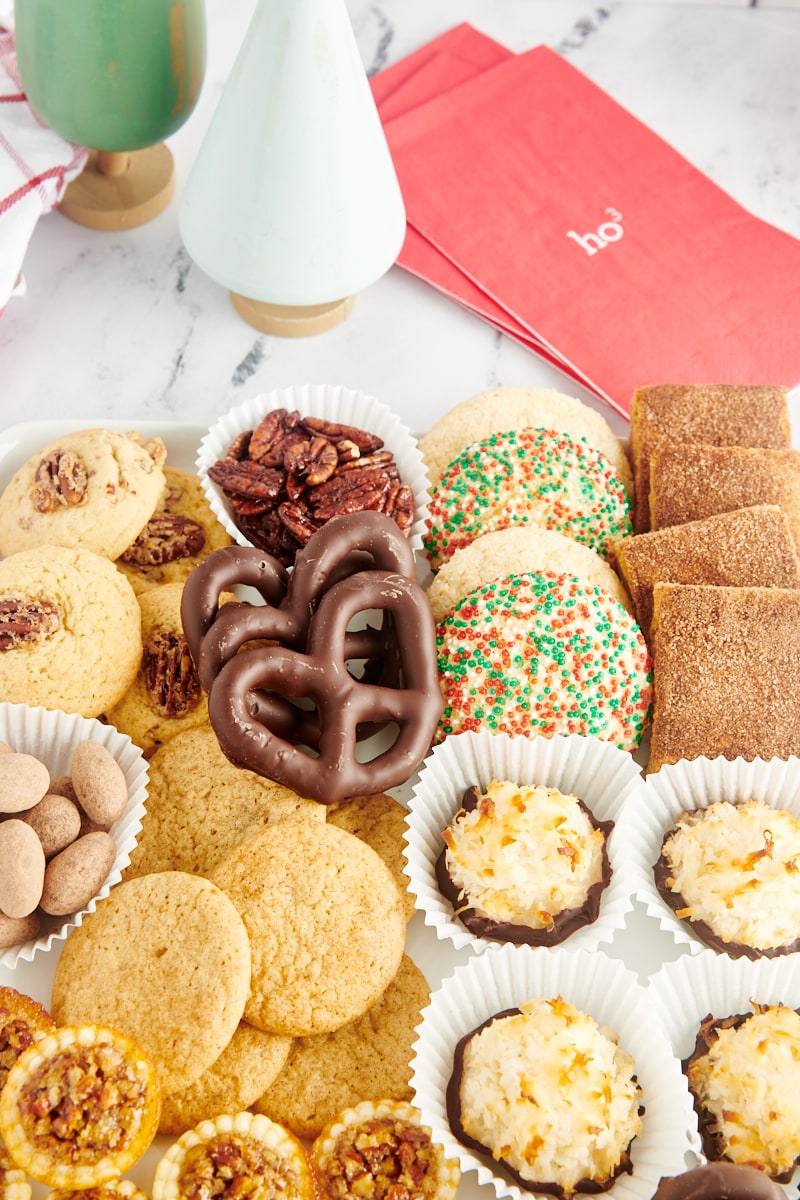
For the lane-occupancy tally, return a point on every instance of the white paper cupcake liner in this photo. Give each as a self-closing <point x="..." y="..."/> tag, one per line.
<point x="51" y="736"/>
<point x="597" y="772"/>
<point x="652" y="811"/>
<point x="506" y="976"/>
<point x="331" y="403"/>
<point x="693" y="987"/>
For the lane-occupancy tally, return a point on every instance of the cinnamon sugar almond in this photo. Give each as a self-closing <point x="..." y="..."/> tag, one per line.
<point x="727" y="668"/>
<point x="711" y="414"/>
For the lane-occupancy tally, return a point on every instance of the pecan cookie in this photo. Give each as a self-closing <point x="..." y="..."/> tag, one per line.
<point x="181" y="532"/>
<point x="325" y="922"/>
<point x="165" y="698"/>
<point x="380" y="821"/>
<point x="174" y="960"/>
<point x="70" y="630"/>
<point x="93" y="489"/>
<point x="200" y="807"/>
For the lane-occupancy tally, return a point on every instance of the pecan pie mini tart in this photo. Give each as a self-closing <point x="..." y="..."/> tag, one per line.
<point x="549" y="1095"/>
<point x="732" y="870"/>
<point x="23" y="1021"/>
<point x="744" y="1077"/>
<point x="524" y="863"/>
<point x="379" y="1150"/>
<point x="232" y="1158"/>
<point x="14" y="1183"/>
<point x="79" y="1107"/>
<point x="122" y="1189"/>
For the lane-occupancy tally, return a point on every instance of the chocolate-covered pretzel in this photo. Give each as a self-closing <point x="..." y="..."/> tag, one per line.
<point x="302" y="688"/>
<point x="261" y="736"/>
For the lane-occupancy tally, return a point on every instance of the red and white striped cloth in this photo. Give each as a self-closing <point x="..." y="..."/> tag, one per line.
<point x="36" y="164"/>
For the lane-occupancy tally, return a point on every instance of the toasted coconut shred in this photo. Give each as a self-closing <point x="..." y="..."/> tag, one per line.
<point x="737" y="867"/>
<point x="552" y="1094"/>
<point x="490" y="850"/>
<point x="749" y="1082"/>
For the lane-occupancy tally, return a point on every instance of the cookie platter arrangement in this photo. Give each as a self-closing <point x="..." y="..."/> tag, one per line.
<point x="344" y="771"/>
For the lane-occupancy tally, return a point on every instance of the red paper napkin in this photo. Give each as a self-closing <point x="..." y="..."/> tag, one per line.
<point x="541" y="204"/>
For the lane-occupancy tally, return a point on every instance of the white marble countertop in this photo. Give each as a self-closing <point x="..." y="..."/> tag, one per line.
<point x="125" y="326"/>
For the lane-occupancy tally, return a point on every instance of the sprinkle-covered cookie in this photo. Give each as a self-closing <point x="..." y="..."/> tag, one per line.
<point x="543" y="654"/>
<point x="527" y="477"/>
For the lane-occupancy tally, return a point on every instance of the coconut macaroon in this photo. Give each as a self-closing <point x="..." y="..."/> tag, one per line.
<point x="549" y="1094"/>
<point x="505" y="408"/>
<point x="485" y="871"/>
<point x="744" y="1076"/>
<point x="516" y="551"/>
<point x="733" y="871"/>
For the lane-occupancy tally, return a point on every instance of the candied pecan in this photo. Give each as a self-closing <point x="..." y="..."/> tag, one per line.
<point x="247" y="478"/>
<point x="315" y="458"/>
<point x="399" y="506"/>
<point x="347" y="451"/>
<point x="367" y="442"/>
<point x="367" y="496"/>
<point x="344" y="482"/>
<point x="298" y="521"/>
<point x="272" y="435"/>
<point x="240" y="446"/>
<point x="60" y="480"/>
<point x="169" y="674"/>
<point x="26" y="621"/>
<point x="382" y="458"/>
<point x="165" y="537"/>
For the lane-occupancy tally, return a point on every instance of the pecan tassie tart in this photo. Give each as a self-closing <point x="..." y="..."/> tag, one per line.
<point x="233" y="1158"/>
<point x="732" y="871"/>
<point x="288" y="476"/>
<point x="379" y="1150"/>
<point x="14" y="1183"/>
<point x="484" y="868"/>
<point x="121" y="1189"/>
<point x="531" y="1087"/>
<point x="744" y="1076"/>
<point x="23" y="1021"/>
<point x="79" y="1107"/>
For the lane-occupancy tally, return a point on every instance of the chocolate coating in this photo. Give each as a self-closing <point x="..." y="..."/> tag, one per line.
<point x="295" y="708"/>
<point x="564" y="922"/>
<point x="453" y="1107"/>
<point x="719" y="1181"/>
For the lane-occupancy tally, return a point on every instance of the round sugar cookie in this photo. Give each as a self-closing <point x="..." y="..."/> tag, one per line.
<point x="543" y="654"/>
<point x="200" y="807"/>
<point x="93" y="489"/>
<point x="165" y="697"/>
<point x="365" y="1060"/>
<point x="505" y="408"/>
<point x="325" y="921"/>
<point x="70" y="632"/>
<point x="165" y="959"/>
<point x="380" y="821"/>
<point x="247" y="1066"/>
<point x="517" y="551"/>
<point x="527" y="477"/>
<point x="180" y="533"/>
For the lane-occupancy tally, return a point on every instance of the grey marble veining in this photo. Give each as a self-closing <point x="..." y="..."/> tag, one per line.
<point x="127" y="326"/>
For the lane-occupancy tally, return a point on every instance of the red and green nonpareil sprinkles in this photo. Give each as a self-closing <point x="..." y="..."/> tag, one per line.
<point x="528" y="477"/>
<point x="544" y="654"/>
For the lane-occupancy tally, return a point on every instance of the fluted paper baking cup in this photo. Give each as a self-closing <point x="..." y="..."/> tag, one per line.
<point x="653" y="810"/>
<point x="597" y="772"/>
<point x="693" y="987"/>
<point x="506" y="976"/>
<point x="51" y="736"/>
<point x="340" y="404"/>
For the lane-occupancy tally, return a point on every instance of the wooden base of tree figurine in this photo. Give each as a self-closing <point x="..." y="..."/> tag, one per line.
<point x="119" y="190"/>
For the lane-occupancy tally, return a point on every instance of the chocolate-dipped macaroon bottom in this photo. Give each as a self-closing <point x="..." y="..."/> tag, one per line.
<point x="719" y="1181"/>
